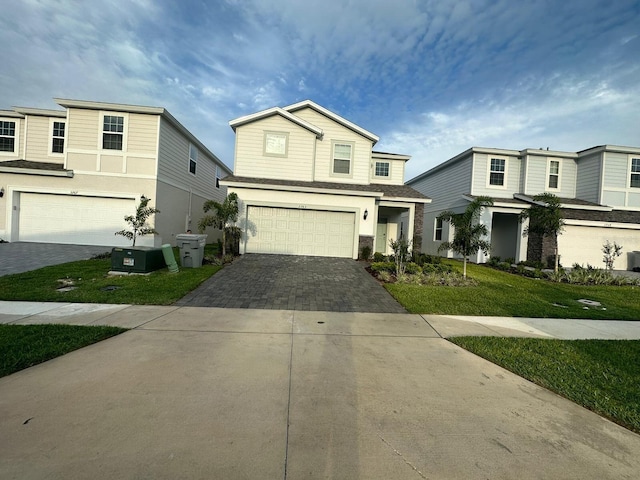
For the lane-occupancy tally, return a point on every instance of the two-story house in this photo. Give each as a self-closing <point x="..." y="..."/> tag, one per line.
<point x="599" y="189"/>
<point x="70" y="176"/>
<point x="309" y="183"/>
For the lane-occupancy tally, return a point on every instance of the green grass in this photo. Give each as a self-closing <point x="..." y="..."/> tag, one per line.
<point x="601" y="375"/>
<point x="23" y="346"/>
<point x="505" y="294"/>
<point x="90" y="277"/>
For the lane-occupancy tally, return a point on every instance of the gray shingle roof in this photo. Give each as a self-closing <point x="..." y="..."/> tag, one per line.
<point x="397" y="191"/>
<point x="30" y="165"/>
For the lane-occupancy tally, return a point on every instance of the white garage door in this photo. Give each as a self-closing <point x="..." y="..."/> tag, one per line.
<point x="73" y="219"/>
<point x="300" y="232"/>
<point x="583" y="245"/>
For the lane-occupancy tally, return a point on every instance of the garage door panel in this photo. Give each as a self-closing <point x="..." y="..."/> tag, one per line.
<point x="583" y="244"/>
<point x="301" y="232"/>
<point x="73" y="219"/>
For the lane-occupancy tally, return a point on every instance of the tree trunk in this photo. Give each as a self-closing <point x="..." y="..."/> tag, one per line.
<point x="224" y="242"/>
<point x="464" y="267"/>
<point x="555" y="252"/>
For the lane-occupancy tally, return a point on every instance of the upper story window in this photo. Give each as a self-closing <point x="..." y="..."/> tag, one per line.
<point x="554" y="174"/>
<point x="217" y="176"/>
<point x="57" y="137"/>
<point x="635" y="173"/>
<point x="7" y="136"/>
<point x="382" y="169"/>
<point x="437" y="231"/>
<point x="342" y="158"/>
<point x="497" y="170"/>
<point x="193" y="158"/>
<point x="276" y="144"/>
<point x="112" y="132"/>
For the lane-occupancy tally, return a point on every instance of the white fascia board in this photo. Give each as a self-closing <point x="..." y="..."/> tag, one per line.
<point x="275" y="111"/>
<point x="41" y="112"/>
<point x="548" y="153"/>
<point x="390" y="156"/>
<point x="10" y="114"/>
<point x="294" y="188"/>
<point x="33" y="171"/>
<point x="116" y="107"/>
<point x="609" y="148"/>
<point x="498" y="203"/>
<point x="333" y="116"/>
<point x="593" y="223"/>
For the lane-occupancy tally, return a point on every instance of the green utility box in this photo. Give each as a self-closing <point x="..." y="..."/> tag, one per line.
<point x="137" y="259"/>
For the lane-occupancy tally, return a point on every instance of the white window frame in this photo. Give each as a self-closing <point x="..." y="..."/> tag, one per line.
<point x="332" y="172"/>
<point x="125" y="120"/>
<point x="193" y="158"/>
<point x="504" y="173"/>
<point x="15" y="136"/>
<point x="631" y="171"/>
<point x="375" y="169"/>
<point x="438" y="226"/>
<point x="549" y="174"/>
<point x="276" y="144"/>
<point x="53" y="137"/>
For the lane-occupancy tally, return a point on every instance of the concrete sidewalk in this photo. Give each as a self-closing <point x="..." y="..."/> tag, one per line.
<point x="236" y="393"/>
<point x="132" y="316"/>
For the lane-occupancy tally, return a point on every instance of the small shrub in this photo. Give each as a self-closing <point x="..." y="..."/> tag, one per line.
<point x="412" y="268"/>
<point x="611" y="252"/>
<point x="385" y="276"/>
<point x="494" y="261"/>
<point x="365" y="252"/>
<point x="377" y="267"/>
<point x="424" y="259"/>
<point x="378" y="257"/>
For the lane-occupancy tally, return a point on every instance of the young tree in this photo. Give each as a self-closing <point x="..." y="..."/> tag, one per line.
<point x="611" y="251"/>
<point x="545" y="219"/>
<point x="468" y="233"/>
<point x="224" y="216"/>
<point x="138" y="222"/>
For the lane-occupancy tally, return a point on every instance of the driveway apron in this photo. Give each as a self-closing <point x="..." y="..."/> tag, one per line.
<point x="287" y="282"/>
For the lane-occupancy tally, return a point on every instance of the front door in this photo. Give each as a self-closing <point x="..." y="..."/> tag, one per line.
<point x="381" y="236"/>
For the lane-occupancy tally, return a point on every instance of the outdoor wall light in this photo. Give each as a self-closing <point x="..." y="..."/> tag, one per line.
<point x="1" y="192"/>
<point x="142" y="198"/>
<point x="366" y="213"/>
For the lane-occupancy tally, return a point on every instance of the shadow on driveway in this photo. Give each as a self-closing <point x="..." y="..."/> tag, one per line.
<point x="287" y="282"/>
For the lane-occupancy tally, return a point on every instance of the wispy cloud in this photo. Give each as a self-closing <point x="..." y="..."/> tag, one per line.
<point x="431" y="77"/>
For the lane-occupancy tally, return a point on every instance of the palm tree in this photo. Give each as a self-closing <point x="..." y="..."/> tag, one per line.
<point x="138" y="222"/>
<point x="225" y="215"/>
<point x="468" y="233"/>
<point x="545" y="219"/>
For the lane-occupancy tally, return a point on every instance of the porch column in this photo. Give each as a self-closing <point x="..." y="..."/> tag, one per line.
<point x="486" y="218"/>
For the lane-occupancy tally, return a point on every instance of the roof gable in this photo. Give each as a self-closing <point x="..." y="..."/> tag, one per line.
<point x="333" y="116"/>
<point x="275" y="111"/>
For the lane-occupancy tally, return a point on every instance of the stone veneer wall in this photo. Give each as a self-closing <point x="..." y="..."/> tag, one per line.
<point x="418" y="227"/>
<point x="364" y="241"/>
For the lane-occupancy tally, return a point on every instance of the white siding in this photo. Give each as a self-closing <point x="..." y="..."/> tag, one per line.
<point x="481" y="174"/>
<point x="173" y="165"/>
<point x="335" y="132"/>
<point x="537" y="180"/>
<point x="588" y="178"/>
<point x="83" y="129"/>
<point x="396" y="172"/>
<point x="250" y="160"/>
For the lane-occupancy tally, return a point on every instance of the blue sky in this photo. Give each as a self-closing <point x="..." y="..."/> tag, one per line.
<point x="430" y="78"/>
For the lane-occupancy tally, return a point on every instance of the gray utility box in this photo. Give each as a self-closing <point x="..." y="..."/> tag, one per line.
<point x="191" y="249"/>
<point x="136" y="259"/>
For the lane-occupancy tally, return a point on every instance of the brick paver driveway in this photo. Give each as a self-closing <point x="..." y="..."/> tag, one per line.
<point x="287" y="282"/>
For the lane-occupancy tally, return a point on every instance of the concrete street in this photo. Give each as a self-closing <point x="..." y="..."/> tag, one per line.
<point x="238" y="393"/>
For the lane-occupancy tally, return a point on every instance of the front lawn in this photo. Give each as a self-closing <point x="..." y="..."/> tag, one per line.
<point x="93" y="285"/>
<point x="601" y="375"/>
<point x="23" y="346"/>
<point x="505" y="294"/>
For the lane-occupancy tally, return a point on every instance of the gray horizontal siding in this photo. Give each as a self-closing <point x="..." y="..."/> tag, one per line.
<point x="588" y="178"/>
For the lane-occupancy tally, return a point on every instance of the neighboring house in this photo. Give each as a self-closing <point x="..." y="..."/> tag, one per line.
<point x="71" y="176"/>
<point x="599" y="189"/>
<point x="309" y="184"/>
